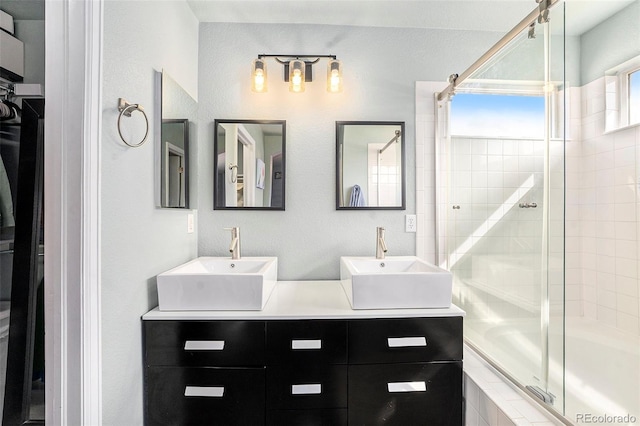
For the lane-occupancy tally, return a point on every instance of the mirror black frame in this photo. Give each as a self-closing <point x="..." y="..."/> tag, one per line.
<point x="217" y="122"/>
<point x="340" y="124"/>
<point x="186" y="173"/>
<point x="185" y="107"/>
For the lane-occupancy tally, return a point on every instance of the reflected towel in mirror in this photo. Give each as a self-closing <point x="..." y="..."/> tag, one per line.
<point x="357" y="197"/>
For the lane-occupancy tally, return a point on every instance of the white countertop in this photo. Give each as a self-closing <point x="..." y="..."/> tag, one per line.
<point x="304" y="300"/>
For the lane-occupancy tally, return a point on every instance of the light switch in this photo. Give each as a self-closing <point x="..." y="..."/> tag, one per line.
<point x="190" y="224"/>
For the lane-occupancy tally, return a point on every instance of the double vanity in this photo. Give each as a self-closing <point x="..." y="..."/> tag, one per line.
<point x="229" y="344"/>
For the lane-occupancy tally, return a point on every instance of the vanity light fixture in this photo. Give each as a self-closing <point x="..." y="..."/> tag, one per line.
<point x="259" y="76"/>
<point x="297" y="71"/>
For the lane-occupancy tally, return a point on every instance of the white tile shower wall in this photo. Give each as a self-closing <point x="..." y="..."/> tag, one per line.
<point x="607" y="194"/>
<point x="496" y="244"/>
<point x="426" y="172"/>
<point x="493" y="176"/>
<point x="575" y="181"/>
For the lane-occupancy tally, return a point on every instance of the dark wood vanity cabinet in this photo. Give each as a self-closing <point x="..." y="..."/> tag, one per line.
<point x="204" y="396"/>
<point x="405" y="371"/>
<point x="204" y="372"/>
<point x="307" y="372"/>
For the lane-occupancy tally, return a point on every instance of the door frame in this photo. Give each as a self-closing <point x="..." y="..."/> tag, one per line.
<point x="73" y="80"/>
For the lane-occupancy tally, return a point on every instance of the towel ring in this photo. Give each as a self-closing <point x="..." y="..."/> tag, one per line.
<point x="126" y="109"/>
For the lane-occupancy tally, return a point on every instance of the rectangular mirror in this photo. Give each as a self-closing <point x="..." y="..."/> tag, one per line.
<point x="178" y="110"/>
<point x="249" y="164"/>
<point x="175" y="163"/>
<point x="370" y="172"/>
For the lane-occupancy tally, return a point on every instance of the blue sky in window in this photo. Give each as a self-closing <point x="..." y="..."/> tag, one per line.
<point x="497" y="115"/>
<point x="634" y="97"/>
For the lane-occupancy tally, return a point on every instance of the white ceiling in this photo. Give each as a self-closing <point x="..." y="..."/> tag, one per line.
<point x="479" y="15"/>
<point x="450" y="14"/>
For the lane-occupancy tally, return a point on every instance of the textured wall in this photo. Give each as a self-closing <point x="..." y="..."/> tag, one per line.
<point x="610" y="43"/>
<point x="381" y="66"/>
<point x="138" y="241"/>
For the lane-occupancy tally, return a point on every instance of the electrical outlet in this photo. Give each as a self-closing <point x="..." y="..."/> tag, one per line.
<point x="410" y="223"/>
<point x="190" y="224"/>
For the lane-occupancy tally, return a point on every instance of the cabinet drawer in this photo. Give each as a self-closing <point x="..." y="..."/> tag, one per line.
<point x="335" y="417"/>
<point x="211" y="396"/>
<point x="323" y="386"/>
<point x="407" y="394"/>
<point x="405" y="340"/>
<point x="204" y="343"/>
<point x="305" y="342"/>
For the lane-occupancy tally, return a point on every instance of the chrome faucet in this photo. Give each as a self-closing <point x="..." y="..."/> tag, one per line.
<point x="234" y="248"/>
<point x="381" y="247"/>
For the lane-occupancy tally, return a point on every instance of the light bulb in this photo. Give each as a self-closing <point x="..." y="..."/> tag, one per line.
<point x="335" y="80"/>
<point x="296" y="76"/>
<point x="259" y="74"/>
<point x="297" y="80"/>
<point x="258" y="81"/>
<point x="334" y="76"/>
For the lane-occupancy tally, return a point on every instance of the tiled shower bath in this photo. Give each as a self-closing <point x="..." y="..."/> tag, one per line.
<point x="540" y="226"/>
<point x="594" y="304"/>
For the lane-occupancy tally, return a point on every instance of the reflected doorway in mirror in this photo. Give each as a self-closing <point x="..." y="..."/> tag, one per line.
<point x="249" y="164"/>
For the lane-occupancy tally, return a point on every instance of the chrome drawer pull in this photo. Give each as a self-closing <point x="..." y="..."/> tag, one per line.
<point x="404" y="342"/>
<point x="204" y="345"/>
<point x="306" y="344"/>
<point x="314" y="389"/>
<point x="407" y="387"/>
<point x="205" y="391"/>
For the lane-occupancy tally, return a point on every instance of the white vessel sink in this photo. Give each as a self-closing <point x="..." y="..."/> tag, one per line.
<point x="218" y="284"/>
<point x="394" y="282"/>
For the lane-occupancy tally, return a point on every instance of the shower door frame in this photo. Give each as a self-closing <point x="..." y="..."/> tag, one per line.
<point x="442" y="111"/>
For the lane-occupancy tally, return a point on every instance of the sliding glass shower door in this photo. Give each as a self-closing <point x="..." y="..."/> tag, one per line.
<point x="505" y="208"/>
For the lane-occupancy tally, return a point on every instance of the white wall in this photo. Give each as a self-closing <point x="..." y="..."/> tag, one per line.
<point x="610" y="43"/>
<point x="496" y="245"/>
<point x="604" y="180"/>
<point x="138" y="240"/>
<point x="381" y="66"/>
<point x="602" y="240"/>
<point x="31" y="33"/>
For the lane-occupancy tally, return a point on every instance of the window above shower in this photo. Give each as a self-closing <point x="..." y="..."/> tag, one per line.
<point x="623" y="95"/>
<point x="497" y="115"/>
<point x="507" y="107"/>
<point x="634" y="97"/>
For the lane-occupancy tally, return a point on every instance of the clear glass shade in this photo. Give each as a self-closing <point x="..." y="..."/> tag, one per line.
<point x="259" y="76"/>
<point x="296" y="76"/>
<point x="334" y="76"/>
